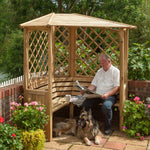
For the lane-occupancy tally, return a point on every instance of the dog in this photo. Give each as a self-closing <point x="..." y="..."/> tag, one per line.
<point x="84" y="127"/>
<point x="68" y="126"/>
<point x="88" y="128"/>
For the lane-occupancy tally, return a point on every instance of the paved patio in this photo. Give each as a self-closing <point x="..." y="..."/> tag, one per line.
<point x="116" y="141"/>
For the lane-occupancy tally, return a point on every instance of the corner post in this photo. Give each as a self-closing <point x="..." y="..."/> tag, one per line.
<point x="51" y="44"/>
<point x="122" y="77"/>
<point x="126" y="45"/>
<point x="72" y="59"/>
<point x="26" y="62"/>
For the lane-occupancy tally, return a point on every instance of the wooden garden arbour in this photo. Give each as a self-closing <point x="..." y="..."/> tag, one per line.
<point x="62" y="48"/>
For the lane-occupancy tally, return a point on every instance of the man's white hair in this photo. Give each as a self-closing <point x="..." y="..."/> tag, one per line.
<point x="106" y="57"/>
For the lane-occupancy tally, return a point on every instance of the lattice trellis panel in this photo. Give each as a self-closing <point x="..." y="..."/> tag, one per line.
<point x="38" y="58"/>
<point x="62" y="51"/>
<point x="90" y="43"/>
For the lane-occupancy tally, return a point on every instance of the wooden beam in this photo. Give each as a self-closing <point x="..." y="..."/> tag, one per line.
<point x="126" y="45"/>
<point x="50" y="78"/>
<point x="72" y="61"/>
<point x="71" y="110"/>
<point x="72" y="52"/>
<point x="122" y="91"/>
<point x="26" y="63"/>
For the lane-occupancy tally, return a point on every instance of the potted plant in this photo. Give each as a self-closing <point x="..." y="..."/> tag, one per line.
<point x="136" y="121"/>
<point x="30" y="118"/>
<point x="9" y="137"/>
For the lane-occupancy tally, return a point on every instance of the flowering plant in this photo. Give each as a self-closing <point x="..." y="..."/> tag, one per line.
<point x="147" y="108"/>
<point x="29" y="116"/>
<point x="9" y="137"/>
<point x="136" y="122"/>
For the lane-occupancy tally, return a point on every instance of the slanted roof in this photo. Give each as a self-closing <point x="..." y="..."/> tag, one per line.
<point x="53" y="19"/>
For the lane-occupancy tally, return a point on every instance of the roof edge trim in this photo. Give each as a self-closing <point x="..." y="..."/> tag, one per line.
<point x="50" y="20"/>
<point x="21" y="25"/>
<point x="121" y="23"/>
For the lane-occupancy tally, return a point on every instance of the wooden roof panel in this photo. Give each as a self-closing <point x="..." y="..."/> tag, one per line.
<point x="73" y="20"/>
<point x="41" y="21"/>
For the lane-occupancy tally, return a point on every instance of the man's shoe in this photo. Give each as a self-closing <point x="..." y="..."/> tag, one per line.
<point x="108" y="132"/>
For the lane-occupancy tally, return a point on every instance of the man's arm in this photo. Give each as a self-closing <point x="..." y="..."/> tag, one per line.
<point x="91" y="87"/>
<point x="112" y="92"/>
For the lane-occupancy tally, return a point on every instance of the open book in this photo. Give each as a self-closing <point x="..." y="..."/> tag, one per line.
<point x="87" y="93"/>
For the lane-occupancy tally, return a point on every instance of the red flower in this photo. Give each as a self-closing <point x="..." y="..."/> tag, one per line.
<point x="14" y="135"/>
<point x="12" y="108"/>
<point x="142" y="138"/>
<point x="1" y="119"/>
<point x="136" y="98"/>
<point x="138" y="134"/>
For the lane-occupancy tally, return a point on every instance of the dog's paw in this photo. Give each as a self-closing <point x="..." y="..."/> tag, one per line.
<point x="98" y="139"/>
<point x="97" y="142"/>
<point x="88" y="143"/>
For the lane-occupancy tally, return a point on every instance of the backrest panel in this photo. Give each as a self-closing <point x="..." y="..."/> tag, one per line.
<point x="89" y="43"/>
<point x="37" y="53"/>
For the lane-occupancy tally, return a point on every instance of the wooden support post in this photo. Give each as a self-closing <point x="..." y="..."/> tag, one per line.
<point x="126" y="45"/>
<point x="50" y="78"/>
<point x="26" y="63"/>
<point x="71" y="111"/>
<point x="122" y="90"/>
<point x="72" y="60"/>
<point x="72" y="52"/>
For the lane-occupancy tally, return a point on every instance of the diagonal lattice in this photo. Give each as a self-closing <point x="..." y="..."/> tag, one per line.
<point x="38" y="56"/>
<point x="90" y="43"/>
<point x="61" y="51"/>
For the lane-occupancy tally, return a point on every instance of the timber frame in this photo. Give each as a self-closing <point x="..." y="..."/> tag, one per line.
<point x="62" y="48"/>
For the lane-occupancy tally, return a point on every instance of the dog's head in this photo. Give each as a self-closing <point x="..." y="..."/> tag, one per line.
<point x="85" y="118"/>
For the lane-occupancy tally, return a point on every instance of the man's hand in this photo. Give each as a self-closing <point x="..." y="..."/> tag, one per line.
<point x="105" y="96"/>
<point x="82" y="92"/>
<point x="112" y="92"/>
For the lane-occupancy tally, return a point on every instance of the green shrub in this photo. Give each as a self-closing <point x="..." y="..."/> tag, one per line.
<point x="9" y="137"/>
<point x="136" y="122"/>
<point x="147" y="108"/>
<point x="139" y="62"/>
<point x="33" y="140"/>
<point x="12" y="56"/>
<point x="30" y="116"/>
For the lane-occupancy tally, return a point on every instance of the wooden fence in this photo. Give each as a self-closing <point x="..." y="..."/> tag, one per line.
<point x="11" y="81"/>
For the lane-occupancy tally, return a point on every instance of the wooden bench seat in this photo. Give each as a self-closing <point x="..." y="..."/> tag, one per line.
<point x="59" y="103"/>
<point x="60" y="88"/>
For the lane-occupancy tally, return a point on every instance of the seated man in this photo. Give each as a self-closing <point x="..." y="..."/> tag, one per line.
<point x="106" y="83"/>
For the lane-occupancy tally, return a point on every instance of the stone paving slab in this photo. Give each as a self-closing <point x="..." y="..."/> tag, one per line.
<point x="135" y="147"/>
<point x="102" y="143"/>
<point x="56" y="146"/>
<point x="84" y="147"/>
<point x="68" y="139"/>
<point x="117" y="141"/>
<point x="50" y="149"/>
<point x="148" y="146"/>
<point x="115" y="145"/>
<point x="127" y="140"/>
<point x="66" y="142"/>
